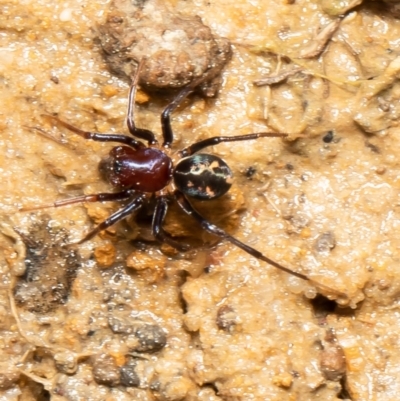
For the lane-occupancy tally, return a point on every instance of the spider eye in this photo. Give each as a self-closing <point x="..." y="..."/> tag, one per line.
<point x="203" y="176"/>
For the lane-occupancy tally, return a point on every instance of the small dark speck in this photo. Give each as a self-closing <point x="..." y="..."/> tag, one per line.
<point x="328" y="137"/>
<point x="117" y="278"/>
<point x="373" y="147"/>
<point x="289" y="166"/>
<point x="250" y="172"/>
<point x="55" y="79"/>
<point x="226" y="318"/>
<point x="90" y="333"/>
<point x="116" y="20"/>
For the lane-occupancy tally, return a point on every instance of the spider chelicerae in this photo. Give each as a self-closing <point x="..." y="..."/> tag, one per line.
<point x="140" y="173"/>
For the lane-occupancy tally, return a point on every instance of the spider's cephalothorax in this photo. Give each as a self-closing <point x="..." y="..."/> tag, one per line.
<point x="143" y="169"/>
<point x="137" y="170"/>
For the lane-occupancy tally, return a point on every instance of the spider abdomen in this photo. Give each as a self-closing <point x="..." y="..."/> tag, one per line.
<point x="203" y="176"/>
<point x="144" y="169"/>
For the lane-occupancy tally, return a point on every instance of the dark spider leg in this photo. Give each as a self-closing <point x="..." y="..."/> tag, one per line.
<point x="115" y="217"/>
<point x="218" y="139"/>
<point x="185" y="92"/>
<point x="166" y="114"/>
<point x="99" y="137"/>
<point x="159" y="233"/>
<point x="213" y="229"/>
<point x="141" y="133"/>
<point x="103" y="197"/>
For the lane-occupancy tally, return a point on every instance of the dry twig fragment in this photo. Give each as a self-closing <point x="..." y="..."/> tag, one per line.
<point x="320" y="41"/>
<point x="277" y="77"/>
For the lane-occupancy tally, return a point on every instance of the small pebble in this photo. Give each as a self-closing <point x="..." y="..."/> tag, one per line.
<point x="151" y="338"/>
<point x="106" y="371"/>
<point x="129" y="378"/>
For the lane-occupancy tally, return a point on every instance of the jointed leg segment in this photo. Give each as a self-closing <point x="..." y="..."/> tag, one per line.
<point x="213" y="229"/>
<point x="132" y="206"/>
<point x="94" y="136"/>
<point x="103" y="197"/>
<point x="219" y="139"/>
<point x="159" y="233"/>
<point x="141" y="133"/>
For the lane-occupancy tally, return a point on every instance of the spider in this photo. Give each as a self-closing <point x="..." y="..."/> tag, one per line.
<point x="140" y="172"/>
